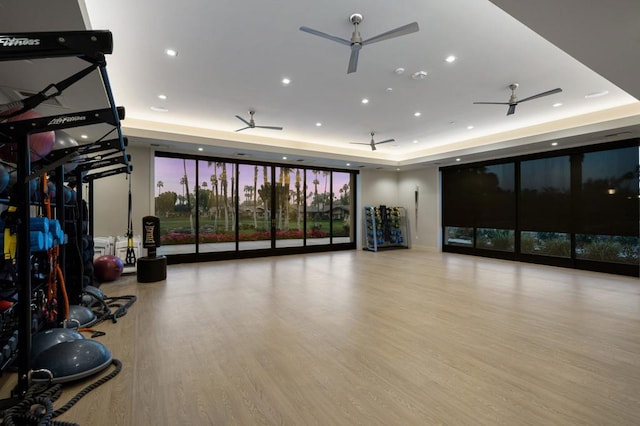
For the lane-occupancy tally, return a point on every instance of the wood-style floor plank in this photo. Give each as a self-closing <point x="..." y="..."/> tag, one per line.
<point x="408" y="337"/>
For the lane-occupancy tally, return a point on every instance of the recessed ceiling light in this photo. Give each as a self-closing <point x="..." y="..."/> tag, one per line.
<point x="389" y="89"/>
<point x="450" y="58"/>
<point x="417" y="114"/>
<point x="557" y="104"/>
<point x="286" y="81"/>
<point x="415" y="141"/>
<point x="171" y="52"/>
<point x="318" y="124"/>
<point x="365" y="101"/>
<point x="419" y="75"/>
<point x="469" y="127"/>
<point x="201" y="149"/>
<point x="457" y="159"/>
<point x="348" y="164"/>
<point x="554" y="143"/>
<point x="596" y="94"/>
<point x="84" y="136"/>
<point x="399" y="71"/>
<point x="159" y="109"/>
<point x="163" y="97"/>
<point x="398" y="169"/>
<point x="284" y="158"/>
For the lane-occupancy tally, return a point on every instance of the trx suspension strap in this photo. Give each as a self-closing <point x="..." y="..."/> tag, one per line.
<point x="130" y="259"/>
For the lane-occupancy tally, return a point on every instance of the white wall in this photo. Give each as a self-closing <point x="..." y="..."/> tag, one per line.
<point x="398" y="189"/>
<point x="111" y="197"/>
<point x="374" y="188"/>
<point x="425" y="232"/>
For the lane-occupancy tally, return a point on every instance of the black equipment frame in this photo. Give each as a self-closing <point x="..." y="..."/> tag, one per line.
<point x="90" y="46"/>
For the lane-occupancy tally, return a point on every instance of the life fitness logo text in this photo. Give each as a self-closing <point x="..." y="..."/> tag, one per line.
<point x="68" y="119"/>
<point x="6" y="41"/>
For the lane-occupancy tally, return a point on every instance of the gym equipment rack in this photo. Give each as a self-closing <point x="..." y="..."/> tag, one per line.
<point x="90" y="46"/>
<point x="385" y="228"/>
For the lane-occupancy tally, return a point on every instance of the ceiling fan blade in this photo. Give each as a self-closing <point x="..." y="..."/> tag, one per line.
<point x="325" y="35"/>
<point x="244" y="128"/>
<point x="492" y="103"/>
<point x="385" y="141"/>
<point x="373" y="147"/>
<point x="512" y="109"/>
<point x="353" y="60"/>
<point x="243" y="120"/>
<point x="400" y="31"/>
<point x="539" y="95"/>
<point x="359" y="143"/>
<point x="269" y="127"/>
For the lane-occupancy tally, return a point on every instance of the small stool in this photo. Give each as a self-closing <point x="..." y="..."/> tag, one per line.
<point x="152" y="269"/>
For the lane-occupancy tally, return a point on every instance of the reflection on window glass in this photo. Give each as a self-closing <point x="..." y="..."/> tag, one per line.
<point x="556" y="244"/>
<point x="495" y="239"/>
<point x="458" y="236"/>
<point x="608" y="248"/>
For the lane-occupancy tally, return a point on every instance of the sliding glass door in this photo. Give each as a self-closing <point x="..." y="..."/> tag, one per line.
<point x="212" y="208"/>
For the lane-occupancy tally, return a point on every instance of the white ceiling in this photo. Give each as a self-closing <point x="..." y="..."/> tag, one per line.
<point x="232" y="56"/>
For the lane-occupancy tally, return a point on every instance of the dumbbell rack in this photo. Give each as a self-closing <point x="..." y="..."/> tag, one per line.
<point x="385" y="228"/>
<point x="90" y="46"/>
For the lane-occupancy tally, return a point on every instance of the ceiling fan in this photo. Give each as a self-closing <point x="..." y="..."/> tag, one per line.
<point x="373" y="143"/>
<point x="252" y="124"/>
<point x="513" y="100"/>
<point x="356" y="41"/>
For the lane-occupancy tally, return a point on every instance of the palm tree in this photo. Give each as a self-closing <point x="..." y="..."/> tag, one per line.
<point x="265" y="198"/>
<point x="286" y="193"/>
<point x="298" y="200"/>
<point x="255" y="197"/>
<point x="225" y="193"/>
<point x="234" y="197"/>
<point x="316" y="182"/>
<point x="160" y="184"/>
<point x="214" y="185"/>
<point x="280" y="195"/>
<point x="326" y="175"/>
<point x="183" y="180"/>
<point x="186" y="185"/>
<point x="248" y="193"/>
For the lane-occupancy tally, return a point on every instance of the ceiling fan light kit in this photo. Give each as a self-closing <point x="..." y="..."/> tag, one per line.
<point x="356" y="43"/>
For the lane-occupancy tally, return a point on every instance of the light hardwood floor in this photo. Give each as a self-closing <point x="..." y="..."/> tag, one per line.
<point x="406" y="337"/>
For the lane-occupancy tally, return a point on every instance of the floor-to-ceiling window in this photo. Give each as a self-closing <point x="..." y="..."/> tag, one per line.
<point x="607" y="206"/>
<point x="578" y="208"/>
<point x="212" y="208"/>
<point x="480" y="207"/>
<point x="544" y="214"/>
<point x="175" y="203"/>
